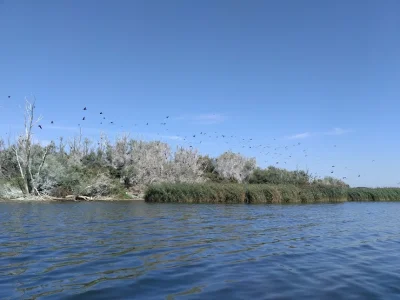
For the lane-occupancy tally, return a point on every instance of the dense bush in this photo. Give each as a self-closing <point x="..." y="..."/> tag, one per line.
<point x="330" y="181"/>
<point x="273" y="175"/>
<point x="377" y="194"/>
<point x="241" y="193"/>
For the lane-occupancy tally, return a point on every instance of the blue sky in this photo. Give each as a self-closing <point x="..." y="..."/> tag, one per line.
<point x="319" y="73"/>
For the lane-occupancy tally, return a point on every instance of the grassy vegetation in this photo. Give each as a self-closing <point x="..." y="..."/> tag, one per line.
<point x="241" y="193"/>
<point x="378" y="194"/>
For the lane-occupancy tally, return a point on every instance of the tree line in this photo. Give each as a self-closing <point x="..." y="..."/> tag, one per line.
<point x="99" y="168"/>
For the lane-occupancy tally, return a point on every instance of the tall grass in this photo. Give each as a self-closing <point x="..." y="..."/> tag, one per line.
<point x="377" y="194"/>
<point x="240" y="193"/>
<point x="196" y="193"/>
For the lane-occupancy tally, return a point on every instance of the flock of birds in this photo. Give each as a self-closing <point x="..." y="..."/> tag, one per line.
<point x="279" y="154"/>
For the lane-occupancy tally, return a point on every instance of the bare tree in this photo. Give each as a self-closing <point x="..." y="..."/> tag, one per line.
<point x="2" y="158"/>
<point x="147" y="162"/>
<point x="23" y="150"/>
<point x="86" y="146"/>
<point x="61" y="147"/>
<point x="186" y="166"/>
<point x="234" y="166"/>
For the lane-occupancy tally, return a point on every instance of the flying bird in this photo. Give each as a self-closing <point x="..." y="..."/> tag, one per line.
<point x="40" y="126"/>
<point x="83" y="119"/>
<point x="52" y="122"/>
<point x="84" y="108"/>
<point x="9" y="96"/>
<point x="101" y="113"/>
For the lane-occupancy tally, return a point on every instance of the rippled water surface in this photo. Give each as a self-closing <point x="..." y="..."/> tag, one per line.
<point x="126" y="250"/>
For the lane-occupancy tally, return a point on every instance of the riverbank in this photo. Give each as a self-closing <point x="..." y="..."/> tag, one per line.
<point x="263" y="193"/>
<point x="76" y="198"/>
<point x="235" y="193"/>
<point x="51" y="199"/>
<point x="9" y="192"/>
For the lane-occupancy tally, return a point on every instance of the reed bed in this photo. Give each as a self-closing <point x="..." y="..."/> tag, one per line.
<point x="251" y="193"/>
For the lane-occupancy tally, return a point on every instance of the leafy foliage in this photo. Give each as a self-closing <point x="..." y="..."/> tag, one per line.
<point x="273" y="175"/>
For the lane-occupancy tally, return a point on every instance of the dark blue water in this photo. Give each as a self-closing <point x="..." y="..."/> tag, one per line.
<point x="126" y="250"/>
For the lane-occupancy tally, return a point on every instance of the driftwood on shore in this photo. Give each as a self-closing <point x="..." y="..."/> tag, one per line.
<point x="74" y="198"/>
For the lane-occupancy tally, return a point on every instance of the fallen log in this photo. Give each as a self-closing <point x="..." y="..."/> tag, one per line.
<point x="82" y="198"/>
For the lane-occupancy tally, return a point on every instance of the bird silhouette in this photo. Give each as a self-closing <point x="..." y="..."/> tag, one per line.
<point x="84" y="108"/>
<point x="9" y="96"/>
<point x="359" y="175"/>
<point x="40" y="126"/>
<point x="101" y="113"/>
<point x="52" y="122"/>
<point x="83" y="119"/>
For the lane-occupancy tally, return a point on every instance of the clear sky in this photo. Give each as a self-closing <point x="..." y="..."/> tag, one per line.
<point x="319" y="73"/>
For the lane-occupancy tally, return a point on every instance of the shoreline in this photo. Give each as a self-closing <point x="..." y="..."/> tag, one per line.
<point x="213" y="193"/>
<point x="50" y="199"/>
<point x="265" y="194"/>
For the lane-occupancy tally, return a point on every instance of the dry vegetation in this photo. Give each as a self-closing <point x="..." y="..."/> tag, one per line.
<point x="127" y="167"/>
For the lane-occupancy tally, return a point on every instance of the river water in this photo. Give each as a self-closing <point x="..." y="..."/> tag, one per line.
<point x="135" y="250"/>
